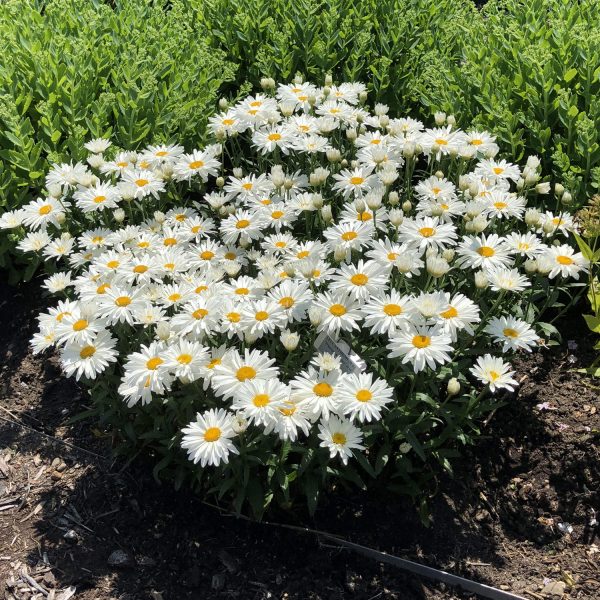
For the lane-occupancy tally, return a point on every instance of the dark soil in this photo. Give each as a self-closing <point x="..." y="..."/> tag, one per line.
<point x="518" y="515"/>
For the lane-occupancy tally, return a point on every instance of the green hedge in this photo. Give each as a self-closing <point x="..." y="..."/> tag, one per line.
<point x="79" y="69"/>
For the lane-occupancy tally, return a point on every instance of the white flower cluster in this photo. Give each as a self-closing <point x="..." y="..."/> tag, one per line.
<point x="371" y="229"/>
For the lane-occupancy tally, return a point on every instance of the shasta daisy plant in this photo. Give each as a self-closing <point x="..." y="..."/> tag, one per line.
<point x="289" y="304"/>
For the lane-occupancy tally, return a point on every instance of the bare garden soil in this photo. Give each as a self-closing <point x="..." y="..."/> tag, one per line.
<point x="520" y="513"/>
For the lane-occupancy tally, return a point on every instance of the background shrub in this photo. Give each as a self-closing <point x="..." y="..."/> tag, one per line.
<point x="78" y="69"/>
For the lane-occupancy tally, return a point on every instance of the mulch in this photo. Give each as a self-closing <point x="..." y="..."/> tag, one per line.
<point x="519" y="514"/>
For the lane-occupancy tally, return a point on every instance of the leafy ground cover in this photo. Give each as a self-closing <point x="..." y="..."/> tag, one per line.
<point x="505" y="519"/>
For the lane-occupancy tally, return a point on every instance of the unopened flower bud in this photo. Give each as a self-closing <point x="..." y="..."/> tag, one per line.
<point x="339" y="254"/>
<point x="315" y="315"/>
<point x="239" y="424"/>
<point x="543" y="188"/>
<point x="396" y="217"/>
<point x="351" y="134"/>
<point x="409" y="149"/>
<point x="559" y="189"/>
<point x="266" y="83"/>
<point x="60" y="218"/>
<point x="393" y="198"/>
<point x="95" y="160"/>
<point x="520" y="183"/>
<point x="451" y="120"/>
<point x="373" y="201"/>
<point x="220" y="181"/>
<point x="223" y="104"/>
<point x="362" y="97"/>
<point x="481" y="280"/>
<point x="344" y="163"/>
<point x="531" y="178"/>
<point x="334" y="155"/>
<point x="317" y="200"/>
<point x="119" y="215"/>
<point x="566" y="198"/>
<point x="440" y="118"/>
<point x="448" y="254"/>
<point x="250" y="338"/>
<point x="453" y="387"/>
<point x="163" y="331"/>
<point x="474" y="189"/>
<point x="406" y="206"/>
<point x="384" y="121"/>
<point x="159" y="216"/>
<point x="328" y="80"/>
<point x="480" y="223"/>
<point x="326" y="213"/>
<point x="359" y="205"/>
<point x="532" y="217"/>
<point x="530" y="266"/>
<point x="437" y="266"/>
<point x="290" y="340"/>
<point x="463" y="183"/>
<point x="237" y="172"/>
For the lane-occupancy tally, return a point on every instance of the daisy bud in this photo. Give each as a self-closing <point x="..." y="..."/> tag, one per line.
<point x="430" y="251"/>
<point x="298" y="79"/>
<point x="469" y="228"/>
<point x="55" y="191"/>
<point x="159" y="216"/>
<point x="530" y="266"/>
<point x="448" y="255"/>
<point x="95" y="160"/>
<point x="288" y="184"/>
<point x="396" y="217"/>
<point x="315" y="315"/>
<point x="440" y="118"/>
<point x="326" y="213"/>
<point x="481" y="280"/>
<point x="566" y="198"/>
<point x="237" y="172"/>
<point x="533" y="162"/>
<point x="328" y="80"/>
<point x="223" y="104"/>
<point x="119" y="215"/>
<point x="362" y="97"/>
<point x="559" y="189"/>
<point x="409" y="149"/>
<point x="406" y="206"/>
<point x="359" y="205"/>
<point x="437" y="211"/>
<point x="388" y="176"/>
<point x="61" y="218"/>
<point x="453" y="387"/>
<point x="85" y="180"/>
<point x="220" y="181"/>
<point x="491" y="152"/>
<point x="344" y="163"/>
<point x="221" y="134"/>
<point x="520" y="184"/>
<point x="290" y="340"/>
<point x="378" y="155"/>
<point x="163" y="331"/>
<point x="250" y="338"/>
<point x="451" y="120"/>
<point x="373" y="201"/>
<point x="435" y="148"/>
<point x="334" y="155"/>
<point x="351" y="134"/>
<point x="480" y="223"/>
<point x="453" y="152"/>
<point x="532" y="217"/>
<point x="463" y="183"/>
<point x="474" y="189"/>
<point x="265" y="83"/>
<point x="314" y="180"/>
<point x="393" y="198"/>
<point x="312" y="99"/>
<point x="317" y="201"/>
<point x="549" y="227"/>
<point x="437" y="266"/>
<point x="384" y="120"/>
<point x="290" y="269"/>
<point x="286" y="108"/>
<point x="231" y="267"/>
<point x="381" y="109"/>
<point x="544" y="265"/>
<point x="278" y="179"/>
<point x="339" y="254"/>
<point x="223" y="212"/>
<point x="543" y="188"/>
<point x="467" y="152"/>
<point x="354" y="164"/>
<point x="326" y="91"/>
<point x="239" y="424"/>
<point x="531" y="178"/>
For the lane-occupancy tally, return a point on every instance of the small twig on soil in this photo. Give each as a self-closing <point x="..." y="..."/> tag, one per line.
<point x="51" y="437"/>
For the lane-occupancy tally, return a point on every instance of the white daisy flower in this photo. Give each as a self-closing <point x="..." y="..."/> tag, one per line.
<point x="89" y="358"/>
<point x="359" y="396"/>
<point x="494" y="372"/>
<point x="512" y="333"/>
<point x="340" y="437"/>
<point x="422" y="346"/>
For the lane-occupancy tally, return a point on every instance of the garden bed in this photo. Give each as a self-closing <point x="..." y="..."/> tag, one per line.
<point x="504" y="520"/>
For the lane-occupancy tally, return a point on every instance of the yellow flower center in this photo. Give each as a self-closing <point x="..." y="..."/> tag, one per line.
<point x="213" y="363"/>
<point x="261" y="400"/>
<point x="323" y="389"/>
<point x="199" y="313"/>
<point x="500" y="205"/>
<point x="486" y="251"/>
<point x="212" y="434"/>
<point x="184" y="359"/>
<point x="143" y="244"/>
<point x="99" y="199"/>
<point x="280" y="244"/>
<point x="357" y="180"/>
<point x="274" y="137"/>
<point x="349" y="236"/>
<point x="277" y="214"/>
<point x="242" y="224"/>
<point x="564" y="260"/>
<point x="392" y="310"/>
<point x="80" y="325"/>
<point x="441" y="142"/>
<point x="113" y="264"/>
<point x="364" y="395"/>
<point x="247" y="186"/>
<point x="141" y="182"/>
<point x="87" y="352"/>
<point x="233" y="317"/>
<point x="337" y="310"/>
<point x="122" y="164"/>
<point x="303" y="254"/>
<point x="170" y="241"/>
<point x="498" y="170"/>
<point x="421" y="341"/>
<point x="261" y="315"/>
<point x="207" y="255"/>
<point x="200" y="289"/>
<point x="244" y="373"/>
<point x="476" y="142"/>
<point x="169" y="266"/>
<point x="154" y="363"/>
<point x="140" y="269"/>
<point x="512" y="333"/>
<point x="359" y="279"/>
<point x="364" y="216"/>
<point x="123" y="301"/>
<point x="230" y="255"/>
<point x="196" y="164"/>
<point x="162" y="153"/>
<point x="450" y="313"/>
<point x="174" y="297"/>
<point x="101" y="289"/>
<point x="427" y="232"/>
<point x="242" y="291"/>
<point x="494" y="375"/>
<point x="45" y="209"/>
<point x="287" y="302"/>
<point x="436" y="190"/>
<point x="339" y="438"/>
<point x="228" y="122"/>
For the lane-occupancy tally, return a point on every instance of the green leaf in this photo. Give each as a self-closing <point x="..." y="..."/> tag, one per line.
<point x="593" y="322"/>
<point x="570" y="74"/>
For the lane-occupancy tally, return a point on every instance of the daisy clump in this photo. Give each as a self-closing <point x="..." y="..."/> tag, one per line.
<point x="324" y="293"/>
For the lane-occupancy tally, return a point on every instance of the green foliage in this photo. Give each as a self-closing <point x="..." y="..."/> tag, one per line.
<point x="78" y="69"/>
<point x="530" y="72"/>
<point x="388" y="44"/>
